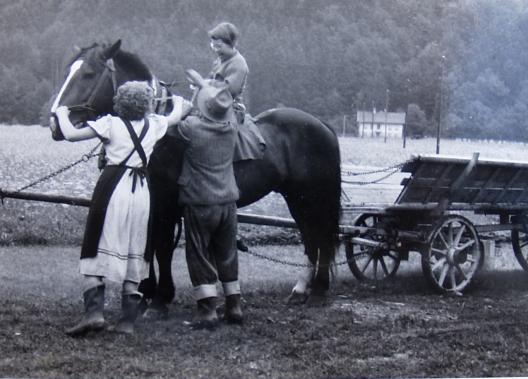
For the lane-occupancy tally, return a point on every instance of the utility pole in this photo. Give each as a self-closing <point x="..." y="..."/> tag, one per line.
<point x="440" y="105"/>
<point x="363" y="120"/>
<point x="344" y="124"/>
<point x="386" y="110"/>
<point x="404" y="132"/>
<point x="372" y="122"/>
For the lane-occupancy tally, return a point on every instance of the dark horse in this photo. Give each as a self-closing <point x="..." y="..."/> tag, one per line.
<point x="301" y="162"/>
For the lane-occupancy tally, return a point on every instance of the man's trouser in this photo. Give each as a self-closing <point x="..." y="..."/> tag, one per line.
<point x="211" y="252"/>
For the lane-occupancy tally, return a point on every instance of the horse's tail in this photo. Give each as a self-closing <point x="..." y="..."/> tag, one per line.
<point x="333" y="200"/>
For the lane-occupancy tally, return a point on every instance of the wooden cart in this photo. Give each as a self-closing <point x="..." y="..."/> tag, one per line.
<point x="427" y="218"/>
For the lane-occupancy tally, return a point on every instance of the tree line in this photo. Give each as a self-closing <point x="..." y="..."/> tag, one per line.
<point x="460" y="63"/>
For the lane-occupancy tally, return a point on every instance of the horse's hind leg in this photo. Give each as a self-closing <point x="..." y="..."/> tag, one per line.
<point x="303" y="288"/>
<point x="316" y="232"/>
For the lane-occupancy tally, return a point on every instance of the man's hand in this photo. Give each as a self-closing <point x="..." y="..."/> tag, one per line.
<point x="186" y="108"/>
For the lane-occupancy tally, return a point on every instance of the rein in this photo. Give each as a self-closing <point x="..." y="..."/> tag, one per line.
<point x="109" y="72"/>
<point x="161" y="93"/>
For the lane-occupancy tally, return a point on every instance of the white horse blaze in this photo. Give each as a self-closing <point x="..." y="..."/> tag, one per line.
<point x="73" y="69"/>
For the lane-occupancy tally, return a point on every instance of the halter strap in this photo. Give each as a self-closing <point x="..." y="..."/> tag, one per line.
<point x="109" y="70"/>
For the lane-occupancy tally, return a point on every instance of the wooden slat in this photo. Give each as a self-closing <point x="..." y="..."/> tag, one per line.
<point x="507" y="187"/>
<point x="442" y="177"/>
<point x="492" y="177"/>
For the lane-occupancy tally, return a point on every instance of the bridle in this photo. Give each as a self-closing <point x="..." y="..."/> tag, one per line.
<point x="108" y="73"/>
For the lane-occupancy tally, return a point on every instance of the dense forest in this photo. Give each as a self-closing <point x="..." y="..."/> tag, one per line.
<point x="460" y="63"/>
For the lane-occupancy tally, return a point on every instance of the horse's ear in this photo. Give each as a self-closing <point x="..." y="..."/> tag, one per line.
<point x="112" y="50"/>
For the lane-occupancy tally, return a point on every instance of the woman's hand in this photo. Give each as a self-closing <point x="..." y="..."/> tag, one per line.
<point x="62" y="111"/>
<point x="180" y="110"/>
<point x="68" y="130"/>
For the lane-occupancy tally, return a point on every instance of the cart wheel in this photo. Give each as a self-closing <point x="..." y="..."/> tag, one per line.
<point x="371" y="264"/>
<point x="453" y="255"/>
<point x="519" y="239"/>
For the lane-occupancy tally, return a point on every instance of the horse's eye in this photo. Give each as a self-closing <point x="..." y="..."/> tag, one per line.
<point x="88" y="74"/>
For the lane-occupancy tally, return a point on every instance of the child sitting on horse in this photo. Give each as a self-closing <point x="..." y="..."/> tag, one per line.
<point x="231" y="68"/>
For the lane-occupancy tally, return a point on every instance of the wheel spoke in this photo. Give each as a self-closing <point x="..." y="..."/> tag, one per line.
<point x="459" y="234"/>
<point x="443" y="252"/>
<point x="442" y="238"/>
<point x="465" y="246"/>
<point x="438" y="264"/>
<point x="393" y="256"/>
<point x="450" y="234"/>
<point x="376" y="269"/>
<point x="371" y="257"/>
<point x="525" y="242"/>
<point x="461" y="271"/>
<point x="384" y="266"/>
<point x="443" y="275"/>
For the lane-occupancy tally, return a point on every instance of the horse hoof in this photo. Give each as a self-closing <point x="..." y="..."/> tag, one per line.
<point x="158" y="313"/>
<point x="143" y="306"/>
<point x="297" y="298"/>
<point x="317" y="300"/>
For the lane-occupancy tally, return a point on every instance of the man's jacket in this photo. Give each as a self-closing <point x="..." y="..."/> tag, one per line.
<point x="207" y="174"/>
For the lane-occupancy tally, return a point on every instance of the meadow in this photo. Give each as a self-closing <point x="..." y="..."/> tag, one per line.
<point x="28" y="153"/>
<point x="397" y="329"/>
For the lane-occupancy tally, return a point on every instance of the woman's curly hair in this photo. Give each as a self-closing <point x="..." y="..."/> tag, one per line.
<point x="133" y="100"/>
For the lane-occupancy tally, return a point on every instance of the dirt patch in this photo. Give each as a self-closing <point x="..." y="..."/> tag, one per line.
<point x="400" y="329"/>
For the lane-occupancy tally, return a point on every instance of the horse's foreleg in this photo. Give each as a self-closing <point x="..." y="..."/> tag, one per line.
<point x="148" y="288"/>
<point x="165" y="244"/>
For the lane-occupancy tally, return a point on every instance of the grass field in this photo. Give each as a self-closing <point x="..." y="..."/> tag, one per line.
<point x="29" y="153"/>
<point x="398" y="329"/>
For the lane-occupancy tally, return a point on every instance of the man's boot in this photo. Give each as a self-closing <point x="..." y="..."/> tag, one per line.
<point x="129" y="308"/>
<point x="93" y="319"/>
<point x="206" y="317"/>
<point x="233" y="310"/>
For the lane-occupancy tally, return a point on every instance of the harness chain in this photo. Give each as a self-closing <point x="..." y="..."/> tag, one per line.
<point x="288" y="263"/>
<point x="397" y="165"/>
<point x="85" y="158"/>
<point x="395" y="168"/>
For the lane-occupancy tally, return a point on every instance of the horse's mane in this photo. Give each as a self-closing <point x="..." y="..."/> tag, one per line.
<point x="132" y="62"/>
<point x="125" y="59"/>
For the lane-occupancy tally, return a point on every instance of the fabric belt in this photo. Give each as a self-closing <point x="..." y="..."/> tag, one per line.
<point x="137" y="173"/>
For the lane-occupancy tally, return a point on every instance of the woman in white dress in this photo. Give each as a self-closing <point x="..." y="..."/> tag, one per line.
<point x="116" y="244"/>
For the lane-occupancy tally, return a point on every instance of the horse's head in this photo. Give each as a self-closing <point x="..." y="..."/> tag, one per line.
<point x="89" y="86"/>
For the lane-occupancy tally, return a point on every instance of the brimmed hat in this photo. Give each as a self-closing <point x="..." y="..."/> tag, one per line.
<point x="225" y="31"/>
<point x="213" y="98"/>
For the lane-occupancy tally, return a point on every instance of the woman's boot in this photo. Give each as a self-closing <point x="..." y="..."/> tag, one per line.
<point x="93" y="319"/>
<point x="130" y="308"/>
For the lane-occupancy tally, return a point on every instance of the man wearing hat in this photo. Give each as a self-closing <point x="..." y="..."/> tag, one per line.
<point x="209" y="193"/>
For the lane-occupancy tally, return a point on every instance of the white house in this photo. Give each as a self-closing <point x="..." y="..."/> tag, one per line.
<point x="380" y="124"/>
